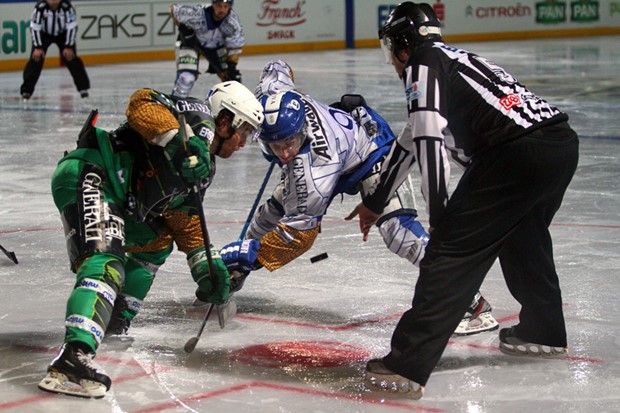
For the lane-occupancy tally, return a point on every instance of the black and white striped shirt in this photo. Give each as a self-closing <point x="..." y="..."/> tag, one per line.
<point x="459" y="104"/>
<point x="62" y="22"/>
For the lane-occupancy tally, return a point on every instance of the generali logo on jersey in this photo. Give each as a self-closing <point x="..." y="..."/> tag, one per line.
<point x="278" y="13"/>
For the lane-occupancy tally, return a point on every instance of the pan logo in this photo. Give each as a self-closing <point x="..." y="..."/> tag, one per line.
<point x="584" y="11"/>
<point x="581" y="11"/>
<point x="550" y="12"/>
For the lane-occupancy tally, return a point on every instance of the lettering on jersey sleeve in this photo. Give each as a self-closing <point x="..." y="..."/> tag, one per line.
<point x="316" y="131"/>
<point x="414" y="91"/>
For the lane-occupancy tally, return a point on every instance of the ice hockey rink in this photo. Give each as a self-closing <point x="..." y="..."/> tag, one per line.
<point x="302" y="334"/>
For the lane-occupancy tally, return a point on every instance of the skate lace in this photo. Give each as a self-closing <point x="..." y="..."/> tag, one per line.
<point x="86" y="359"/>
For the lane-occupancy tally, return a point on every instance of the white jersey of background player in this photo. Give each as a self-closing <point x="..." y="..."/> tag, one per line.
<point x="324" y="151"/>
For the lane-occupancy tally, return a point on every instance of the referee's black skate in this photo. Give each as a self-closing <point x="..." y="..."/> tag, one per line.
<point x="511" y="345"/>
<point x="380" y="379"/>
<point x="72" y="372"/>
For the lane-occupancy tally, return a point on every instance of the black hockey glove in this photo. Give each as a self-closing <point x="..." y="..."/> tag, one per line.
<point x="186" y="31"/>
<point x="188" y="36"/>
<point x="232" y="72"/>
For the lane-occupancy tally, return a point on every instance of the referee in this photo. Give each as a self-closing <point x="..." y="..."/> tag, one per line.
<point x="519" y="155"/>
<point x="54" y="21"/>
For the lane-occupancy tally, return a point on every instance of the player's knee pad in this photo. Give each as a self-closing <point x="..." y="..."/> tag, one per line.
<point x="184" y="83"/>
<point x="403" y="234"/>
<point x="187" y="59"/>
<point x="105" y="268"/>
<point x="92" y="225"/>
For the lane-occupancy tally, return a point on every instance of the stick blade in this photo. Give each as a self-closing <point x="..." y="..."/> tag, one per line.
<point x="191" y="344"/>
<point x="9" y="254"/>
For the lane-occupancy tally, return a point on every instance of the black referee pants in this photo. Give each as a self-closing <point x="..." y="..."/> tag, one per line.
<point x="33" y="69"/>
<point x="501" y="208"/>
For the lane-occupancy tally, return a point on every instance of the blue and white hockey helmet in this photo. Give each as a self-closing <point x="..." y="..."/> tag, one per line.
<point x="284" y="126"/>
<point x="284" y="116"/>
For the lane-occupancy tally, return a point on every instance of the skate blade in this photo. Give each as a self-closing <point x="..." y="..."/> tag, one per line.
<point x="226" y="312"/>
<point x="59" y="383"/>
<point x="392" y="385"/>
<point x="533" y="350"/>
<point x="484" y="322"/>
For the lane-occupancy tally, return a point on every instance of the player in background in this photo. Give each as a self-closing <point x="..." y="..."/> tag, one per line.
<point x="519" y="155"/>
<point x="54" y="21"/>
<point x="214" y="31"/>
<point x="125" y="197"/>
<point x="325" y="151"/>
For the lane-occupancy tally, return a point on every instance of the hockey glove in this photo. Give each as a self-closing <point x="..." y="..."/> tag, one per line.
<point x="196" y="166"/>
<point x="213" y="288"/>
<point x="186" y="31"/>
<point x="188" y="37"/>
<point x="240" y="255"/>
<point x="193" y="164"/>
<point x="233" y="73"/>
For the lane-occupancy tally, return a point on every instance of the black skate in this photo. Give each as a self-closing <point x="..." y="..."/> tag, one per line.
<point x="511" y="345"/>
<point x="72" y="372"/>
<point x="477" y="319"/>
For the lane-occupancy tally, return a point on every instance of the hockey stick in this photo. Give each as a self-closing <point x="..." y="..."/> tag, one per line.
<point x="256" y="201"/>
<point x="9" y="254"/>
<point x="191" y="343"/>
<point x="234" y="273"/>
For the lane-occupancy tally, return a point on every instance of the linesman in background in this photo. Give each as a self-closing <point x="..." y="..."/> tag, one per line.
<point x="214" y="31"/>
<point x="54" y="21"/>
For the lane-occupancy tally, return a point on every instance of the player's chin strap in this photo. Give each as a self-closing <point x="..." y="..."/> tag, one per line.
<point x="220" y="138"/>
<point x="220" y="144"/>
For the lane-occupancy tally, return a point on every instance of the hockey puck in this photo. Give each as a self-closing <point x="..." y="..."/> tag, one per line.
<point x="319" y="257"/>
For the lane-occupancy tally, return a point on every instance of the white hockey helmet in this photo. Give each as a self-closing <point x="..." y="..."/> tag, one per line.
<point x="238" y="99"/>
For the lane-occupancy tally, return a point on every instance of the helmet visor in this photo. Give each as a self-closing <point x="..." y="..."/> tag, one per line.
<point x="286" y="149"/>
<point x="247" y="131"/>
<point x="387" y="47"/>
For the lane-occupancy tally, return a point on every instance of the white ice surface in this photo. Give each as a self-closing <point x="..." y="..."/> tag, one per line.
<point x="343" y="308"/>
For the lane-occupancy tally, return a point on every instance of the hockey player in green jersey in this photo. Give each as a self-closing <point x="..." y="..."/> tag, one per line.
<point x="125" y="197"/>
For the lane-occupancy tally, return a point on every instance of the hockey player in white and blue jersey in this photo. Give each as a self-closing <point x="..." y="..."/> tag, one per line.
<point x="325" y="151"/>
<point x="214" y="31"/>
